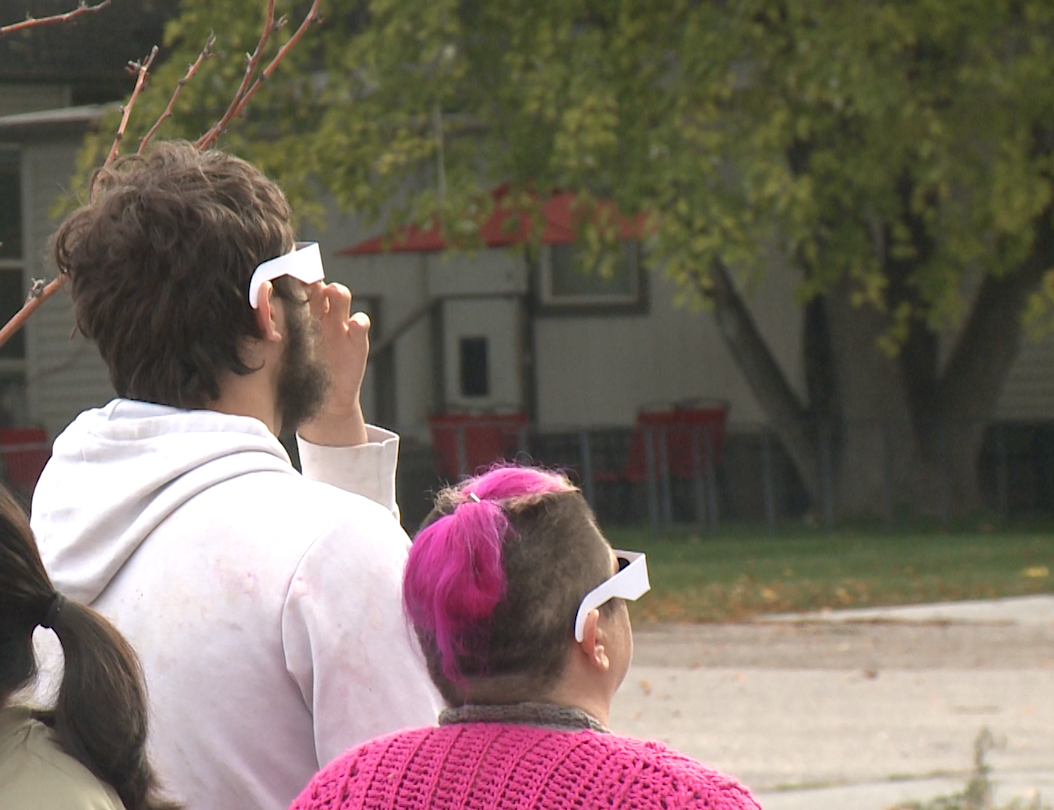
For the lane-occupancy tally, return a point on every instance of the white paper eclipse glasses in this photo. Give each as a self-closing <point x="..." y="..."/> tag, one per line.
<point x="303" y="262"/>
<point x="629" y="583"/>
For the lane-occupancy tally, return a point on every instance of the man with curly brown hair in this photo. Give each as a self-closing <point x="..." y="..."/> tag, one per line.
<point x="263" y="603"/>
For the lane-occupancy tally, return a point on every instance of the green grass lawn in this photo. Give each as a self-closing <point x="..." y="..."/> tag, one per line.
<point x="738" y="575"/>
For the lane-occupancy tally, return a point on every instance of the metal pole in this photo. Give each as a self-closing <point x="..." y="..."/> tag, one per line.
<point x="462" y="452"/>
<point x="946" y="484"/>
<point x="587" y="468"/>
<point x="698" y="485"/>
<point x="652" y="485"/>
<point x="887" y="475"/>
<point x="766" y="469"/>
<point x="664" y="468"/>
<point x="711" y="480"/>
<point x="825" y="475"/>
<point x="521" y="440"/>
<point x="1001" y="472"/>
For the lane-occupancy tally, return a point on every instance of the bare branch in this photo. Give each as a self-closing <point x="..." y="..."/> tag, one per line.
<point x="32" y="22"/>
<point x="206" y="140"/>
<point x="206" y="52"/>
<point x="246" y="90"/>
<point x="141" y="68"/>
<point x="252" y="61"/>
<point x="37" y="296"/>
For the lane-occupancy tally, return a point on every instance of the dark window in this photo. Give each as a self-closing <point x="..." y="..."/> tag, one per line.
<point x="10" y="206"/>
<point x="574" y="280"/>
<point x="12" y="295"/>
<point x="475" y="380"/>
<point x="612" y="277"/>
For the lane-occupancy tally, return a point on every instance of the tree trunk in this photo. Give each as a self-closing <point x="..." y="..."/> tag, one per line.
<point x="869" y="453"/>
<point x="787" y="415"/>
<point x="883" y="433"/>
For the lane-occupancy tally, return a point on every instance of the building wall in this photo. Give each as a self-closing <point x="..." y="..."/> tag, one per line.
<point x="397" y="286"/>
<point x="64" y="373"/>
<point x="24" y="98"/>
<point x="498" y="322"/>
<point x="479" y="293"/>
<point x="591" y="370"/>
<point x="1028" y="393"/>
<point x="600" y="370"/>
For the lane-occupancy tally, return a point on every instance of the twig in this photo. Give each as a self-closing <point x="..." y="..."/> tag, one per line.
<point x="206" y="140"/>
<point x="32" y="22"/>
<point x="312" y="17"/>
<point x="206" y="52"/>
<point x="38" y="294"/>
<point x="251" y="62"/>
<point x="141" y="68"/>
<point x="41" y="292"/>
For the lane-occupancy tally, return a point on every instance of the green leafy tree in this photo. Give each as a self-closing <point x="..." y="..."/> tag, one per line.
<point x="896" y="155"/>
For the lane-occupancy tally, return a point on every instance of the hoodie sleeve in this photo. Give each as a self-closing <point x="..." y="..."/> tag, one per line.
<point x="364" y="469"/>
<point x="346" y="642"/>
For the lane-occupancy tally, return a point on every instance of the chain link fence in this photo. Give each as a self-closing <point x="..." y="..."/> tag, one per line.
<point x="708" y="475"/>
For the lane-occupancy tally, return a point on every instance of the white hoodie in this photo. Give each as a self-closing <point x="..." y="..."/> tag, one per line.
<point x="265" y="605"/>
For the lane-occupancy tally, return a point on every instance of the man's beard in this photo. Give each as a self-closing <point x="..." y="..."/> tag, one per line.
<point x="304" y="379"/>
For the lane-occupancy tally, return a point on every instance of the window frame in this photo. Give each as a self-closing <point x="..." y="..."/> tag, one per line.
<point x="550" y="304"/>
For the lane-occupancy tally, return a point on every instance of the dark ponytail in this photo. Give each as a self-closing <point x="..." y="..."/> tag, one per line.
<point x="100" y="716"/>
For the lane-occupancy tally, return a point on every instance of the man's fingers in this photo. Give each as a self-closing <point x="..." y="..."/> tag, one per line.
<point x="360" y="321"/>
<point x="338" y="298"/>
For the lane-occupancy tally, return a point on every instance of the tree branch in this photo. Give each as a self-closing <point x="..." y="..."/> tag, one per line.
<point x="251" y="62"/>
<point x="766" y="379"/>
<point x="32" y="22"/>
<point x="41" y="292"/>
<point x="141" y="68"/>
<point x="238" y="105"/>
<point x="38" y="294"/>
<point x="988" y="343"/>
<point x="206" y="52"/>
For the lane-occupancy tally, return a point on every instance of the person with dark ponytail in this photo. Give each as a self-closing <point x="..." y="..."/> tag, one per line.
<point x="89" y="751"/>
<point x="519" y="605"/>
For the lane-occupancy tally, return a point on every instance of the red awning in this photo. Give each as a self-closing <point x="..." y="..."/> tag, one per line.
<point x="503" y="227"/>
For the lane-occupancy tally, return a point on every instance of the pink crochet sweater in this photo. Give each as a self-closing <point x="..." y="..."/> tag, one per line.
<point x="495" y="766"/>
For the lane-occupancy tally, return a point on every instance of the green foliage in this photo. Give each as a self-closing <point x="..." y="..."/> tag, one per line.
<point x="846" y="138"/>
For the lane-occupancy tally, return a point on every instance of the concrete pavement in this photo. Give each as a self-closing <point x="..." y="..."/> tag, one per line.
<point x="858" y="725"/>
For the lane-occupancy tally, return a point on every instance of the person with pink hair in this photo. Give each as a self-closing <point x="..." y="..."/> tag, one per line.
<point x="519" y="605"/>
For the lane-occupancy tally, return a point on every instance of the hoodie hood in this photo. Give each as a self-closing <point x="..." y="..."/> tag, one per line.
<point x="117" y="472"/>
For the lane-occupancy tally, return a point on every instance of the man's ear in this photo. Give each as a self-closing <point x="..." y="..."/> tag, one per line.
<point x="592" y="643"/>
<point x="266" y="314"/>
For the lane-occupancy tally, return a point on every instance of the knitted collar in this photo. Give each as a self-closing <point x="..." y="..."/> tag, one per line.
<point x="543" y="715"/>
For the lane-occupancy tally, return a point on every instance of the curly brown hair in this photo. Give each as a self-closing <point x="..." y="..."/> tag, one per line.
<point x="160" y="260"/>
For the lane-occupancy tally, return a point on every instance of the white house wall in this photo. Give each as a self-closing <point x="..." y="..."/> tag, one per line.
<point x="24" y="98"/>
<point x="600" y="370"/>
<point x="64" y="373"/>
<point x="590" y="370"/>
<point x="499" y="278"/>
<point x="403" y="283"/>
<point x="496" y="271"/>
<point x="1028" y="393"/>
<point x="497" y="320"/>
<point x="398" y="282"/>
